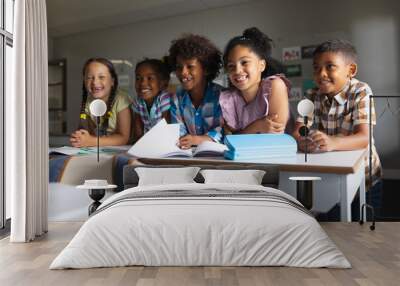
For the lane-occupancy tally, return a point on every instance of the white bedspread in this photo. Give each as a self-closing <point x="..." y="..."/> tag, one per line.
<point x="188" y="230"/>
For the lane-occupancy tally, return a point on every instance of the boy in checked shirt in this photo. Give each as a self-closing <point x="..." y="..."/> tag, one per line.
<point x="341" y="110"/>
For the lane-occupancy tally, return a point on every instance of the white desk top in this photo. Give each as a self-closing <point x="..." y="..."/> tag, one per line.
<point x="340" y="162"/>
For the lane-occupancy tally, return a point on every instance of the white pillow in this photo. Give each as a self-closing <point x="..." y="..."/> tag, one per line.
<point x="166" y="176"/>
<point x="248" y="177"/>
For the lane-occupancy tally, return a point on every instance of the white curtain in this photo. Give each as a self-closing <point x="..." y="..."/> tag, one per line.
<point x="27" y="123"/>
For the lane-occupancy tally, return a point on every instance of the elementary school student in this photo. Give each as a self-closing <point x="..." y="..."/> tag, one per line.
<point x="257" y="100"/>
<point x="196" y="62"/>
<point x="341" y="112"/>
<point x="100" y="81"/>
<point x="153" y="99"/>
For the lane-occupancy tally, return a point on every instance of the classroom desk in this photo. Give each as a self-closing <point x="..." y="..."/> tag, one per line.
<point x="342" y="174"/>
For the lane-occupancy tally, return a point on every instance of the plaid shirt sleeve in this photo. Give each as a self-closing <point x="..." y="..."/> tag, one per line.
<point x="216" y="133"/>
<point x="176" y="116"/>
<point x="135" y="106"/>
<point x="361" y="107"/>
<point x="165" y="101"/>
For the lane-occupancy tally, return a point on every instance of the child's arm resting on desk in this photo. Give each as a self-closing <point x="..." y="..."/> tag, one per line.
<point x="267" y="124"/>
<point x="82" y="138"/>
<point x="357" y="140"/>
<point x="302" y="142"/>
<point x="278" y="113"/>
<point x="187" y="141"/>
<point x="320" y="141"/>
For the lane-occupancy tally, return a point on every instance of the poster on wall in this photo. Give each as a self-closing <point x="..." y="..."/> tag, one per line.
<point x="307" y="51"/>
<point x="291" y="54"/>
<point x="293" y="70"/>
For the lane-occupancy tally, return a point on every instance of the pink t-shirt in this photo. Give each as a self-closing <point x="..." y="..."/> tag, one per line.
<point x="237" y="113"/>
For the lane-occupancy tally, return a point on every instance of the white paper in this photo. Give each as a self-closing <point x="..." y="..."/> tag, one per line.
<point x="158" y="142"/>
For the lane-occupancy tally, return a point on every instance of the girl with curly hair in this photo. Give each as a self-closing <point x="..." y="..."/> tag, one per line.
<point x="196" y="62"/>
<point x="257" y="101"/>
<point x="153" y="100"/>
<point x="100" y="81"/>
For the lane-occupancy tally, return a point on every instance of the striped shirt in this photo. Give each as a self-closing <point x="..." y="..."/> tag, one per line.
<point x="205" y="120"/>
<point x="161" y="103"/>
<point x="339" y="115"/>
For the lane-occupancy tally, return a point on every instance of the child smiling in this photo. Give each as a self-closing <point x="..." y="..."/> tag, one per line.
<point x="257" y="101"/>
<point x="153" y="100"/>
<point x="342" y="109"/>
<point x="196" y="62"/>
<point x="100" y="81"/>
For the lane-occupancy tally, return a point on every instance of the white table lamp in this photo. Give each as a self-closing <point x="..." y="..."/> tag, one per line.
<point x="305" y="108"/>
<point x="97" y="108"/>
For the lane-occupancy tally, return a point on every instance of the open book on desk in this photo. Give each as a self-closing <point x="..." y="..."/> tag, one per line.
<point x="161" y="142"/>
<point x="69" y="150"/>
<point x="205" y="149"/>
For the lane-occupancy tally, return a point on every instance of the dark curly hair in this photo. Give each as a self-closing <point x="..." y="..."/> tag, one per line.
<point x="84" y="124"/>
<point x="195" y="46"/>
<point x="337" y="46"/>
<point x="260" y="44"/>
<point x="160" y="67"/>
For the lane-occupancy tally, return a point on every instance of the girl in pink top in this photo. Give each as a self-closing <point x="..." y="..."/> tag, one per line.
<point x="257" y="101"/>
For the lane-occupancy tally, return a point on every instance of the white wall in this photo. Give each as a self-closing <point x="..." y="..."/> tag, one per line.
<point x="373" y="27"/>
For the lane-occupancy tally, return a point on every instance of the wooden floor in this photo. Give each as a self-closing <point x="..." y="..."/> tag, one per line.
<point x="374" y="255"/>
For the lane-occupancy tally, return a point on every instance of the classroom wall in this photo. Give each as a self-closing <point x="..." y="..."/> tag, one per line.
<point x="373" y="27"/>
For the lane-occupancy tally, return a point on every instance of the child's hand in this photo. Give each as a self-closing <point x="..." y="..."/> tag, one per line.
<point x="311" y="146"/>
<point x="271" y="125"/>
<point x="323" y="141"/>
<point x="81" y="138"/>
<point x="74" y="139"/>
<point x="185" y="142"/>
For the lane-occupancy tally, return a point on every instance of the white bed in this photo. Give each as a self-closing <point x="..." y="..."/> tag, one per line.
<point x="201" y="224"/>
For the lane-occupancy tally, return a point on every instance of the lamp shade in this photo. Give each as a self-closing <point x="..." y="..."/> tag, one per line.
<point x="98" y="107"/>
<point x="305" y="107"/>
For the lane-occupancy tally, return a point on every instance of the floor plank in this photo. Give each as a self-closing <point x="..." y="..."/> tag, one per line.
<point x="374" y="255"/>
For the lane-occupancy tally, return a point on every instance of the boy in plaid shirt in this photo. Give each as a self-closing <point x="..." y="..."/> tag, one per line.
<point x="196" y="62"/>
<point x="341" y="109"/>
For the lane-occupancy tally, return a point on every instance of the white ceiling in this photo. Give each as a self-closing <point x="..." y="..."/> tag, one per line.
<point x="66" y="17"/>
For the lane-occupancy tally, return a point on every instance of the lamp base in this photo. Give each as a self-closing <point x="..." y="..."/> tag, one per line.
<point x="96" y="195"/>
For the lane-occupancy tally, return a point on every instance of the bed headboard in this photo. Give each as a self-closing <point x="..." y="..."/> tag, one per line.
<point x="270" y="179"/>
